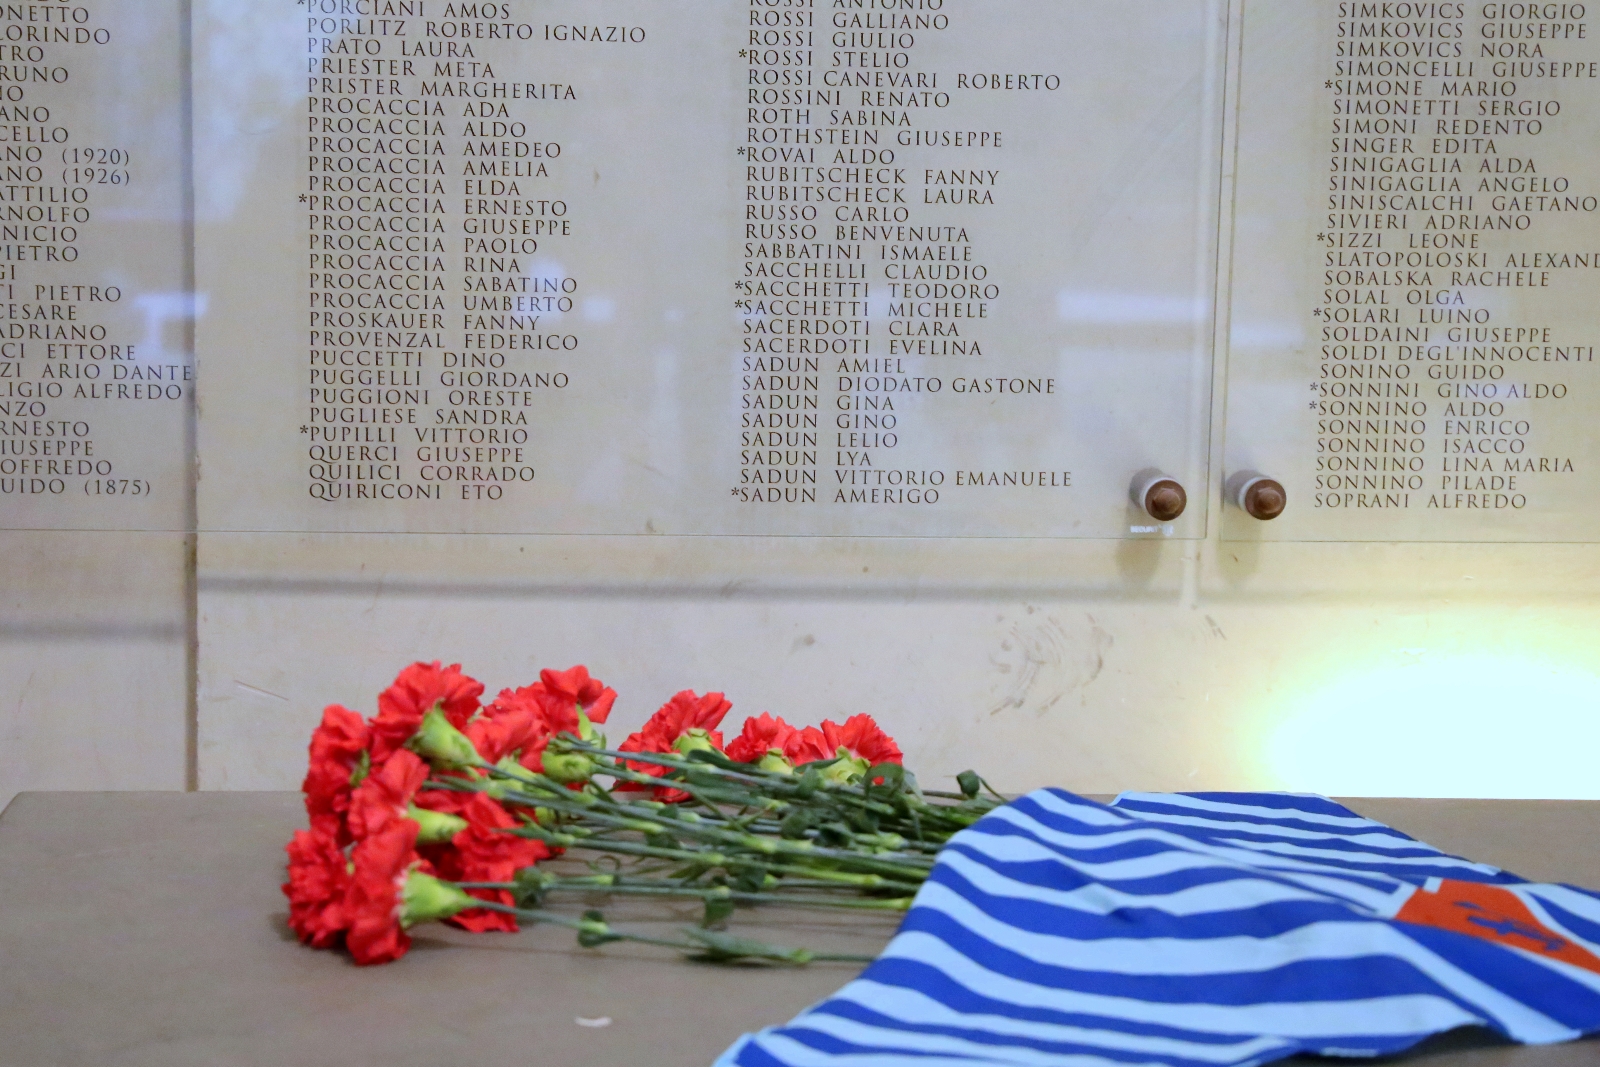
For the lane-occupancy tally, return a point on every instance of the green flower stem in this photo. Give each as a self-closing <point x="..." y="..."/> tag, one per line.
<point x="803" y="883"/>
<point x="887" y="874"/>
<point x="584" y="925"/>
<point x="590" y="813"/>
<point x="768" y="782"/>
<point x="953" y="817"/>
<point x="749" y="949"/>
<point x="708" y="797"/>
<point x="581" y="805"/>
<point x="801" y="850"/>
<point x="588" y="807"/>
<point x="697" y="790"/>
<point x="755" y="777"/>
<point x="608" y="884"/>
<point x="592" y="804"/>
<point x="765" y="846"/>
<point x="764" y="782"/>
<point x="908" y="880"/>
<point x="781" y="846"/>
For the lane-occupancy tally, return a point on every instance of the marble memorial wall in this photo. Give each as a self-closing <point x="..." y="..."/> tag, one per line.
<point x="1416" y="270"/>
<point x="96" y="373"/>
<point x="1130" y="394"/>
<point x="720" y="268"/>
<point x="97" y="380"/>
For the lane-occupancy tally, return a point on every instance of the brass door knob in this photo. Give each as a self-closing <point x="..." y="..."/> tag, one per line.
<point x="1161" y="497"/>
<point x="1262" y="498"/>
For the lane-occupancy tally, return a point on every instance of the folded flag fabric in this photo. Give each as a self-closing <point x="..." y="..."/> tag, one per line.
<point x="1200" y="930"/>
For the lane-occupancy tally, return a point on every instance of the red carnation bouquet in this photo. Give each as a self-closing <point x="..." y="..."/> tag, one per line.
<point x="442" y="808"/>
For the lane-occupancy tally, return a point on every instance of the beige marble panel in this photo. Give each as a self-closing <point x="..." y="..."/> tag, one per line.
<point x="96" y="372"/>
<point x="96" y="397"/>
<point x="94" y="660"/>
<point x="1356" y="669"/>
<point x="1253" y="658"/>
<point x="1412" y="343"/>
<point x="1087" y="224"/>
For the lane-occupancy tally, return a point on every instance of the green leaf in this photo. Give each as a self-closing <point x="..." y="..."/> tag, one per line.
<point x="750" y="879"/>
<point x="795" y="824"/>
<point x="970" y="784"/>
<point x="717" y="911"/>
<point x="689" y="872"/>
<point x="530" y="888"/>
<point x="721" y="946"/>
<point x="865" y="822"/>
<point x="712" y="756"/>
<point x="893" y="775"/>
<point x="704" y="777"/>
<point x="362" y="768"/>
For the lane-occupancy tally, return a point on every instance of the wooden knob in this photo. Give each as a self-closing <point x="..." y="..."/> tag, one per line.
<point x="1263" y="498"/>
<point x="1164" y="499"/>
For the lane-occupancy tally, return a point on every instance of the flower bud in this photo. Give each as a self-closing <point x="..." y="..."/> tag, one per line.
<point x="500" y="788"/>
<point x="846" y="770"/>
<point x="425" y="898"/>
<point x="587" y="733"/>
<point x="441" y="744"/>
<point x="435" y="827"/>
<point x="568" y="768"/>
<point x="694" y="739"/>
<point x="774" y="762"/>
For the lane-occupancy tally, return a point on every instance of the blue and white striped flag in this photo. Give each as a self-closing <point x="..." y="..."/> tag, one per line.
<point x="1200" y="930"/>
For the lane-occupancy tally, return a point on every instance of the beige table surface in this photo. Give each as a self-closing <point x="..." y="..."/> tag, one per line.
<point x="147" y="929"/>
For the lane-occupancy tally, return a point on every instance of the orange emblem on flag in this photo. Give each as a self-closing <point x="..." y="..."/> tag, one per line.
<point x="1492" y="913"/>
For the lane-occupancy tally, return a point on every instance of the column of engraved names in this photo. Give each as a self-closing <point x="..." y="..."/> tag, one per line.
<point x="924" y="246"/>
<point x="63" y="368"/>
<point x="797" y="297"/>
<point x="1508" y="378"/>
<point x="432" y="321"/>
<point x="376" y="221"/>
<point x="876" y="62"/>
<point x="1433" y="374"/>
<point x="515" y="345"/>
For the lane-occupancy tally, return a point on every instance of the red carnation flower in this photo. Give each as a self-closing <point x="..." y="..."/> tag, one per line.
<point x="575" y="685"/>
<point x="414" y="693"/>
<point x="523" y="720"/>
<point x="386" y="794"/>
<point x="684" y="713"/>
<point x="859" y="741"/>
<point x="336" y="749"/>
<point x="318" y="882"/>
<point x="376" y="896"/>
<point x="807" y="746"/>
<point x="514" y="725"/>
<point x="760" y="736"/>
<point x="560" y="695"/>
<point x="683" y="724"/>
<point x="483" y="853"/>
<point x="861" y="738"/>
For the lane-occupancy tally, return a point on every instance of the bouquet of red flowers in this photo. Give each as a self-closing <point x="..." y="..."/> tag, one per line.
<point x="441" y="808"/>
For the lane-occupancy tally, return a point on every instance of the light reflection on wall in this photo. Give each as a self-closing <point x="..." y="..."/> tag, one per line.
<point x="1448" y="726"/>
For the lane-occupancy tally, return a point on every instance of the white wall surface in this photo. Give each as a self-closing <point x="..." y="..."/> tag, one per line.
<point x="94" y="661"/>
